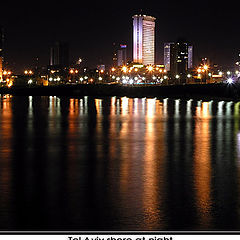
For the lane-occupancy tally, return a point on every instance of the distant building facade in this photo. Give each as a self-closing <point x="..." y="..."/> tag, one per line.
<point x="178" y="57"/>
<point x="59" y="55"/>
<point x="114" y="54"/>
<point x="190" y="57"/>
<point x="122" y="55"/>
<point x="144" y="39"/>
<point x="167" y="48"/>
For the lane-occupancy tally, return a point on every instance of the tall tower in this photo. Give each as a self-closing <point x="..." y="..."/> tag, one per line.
<point x="144" y="39"/>
<point x="190" y="56"/>
<point x="179" y="58"/>
<point x="59" y="55"/>
<point x="167" y="55"/>
<point x="122" y="55"/>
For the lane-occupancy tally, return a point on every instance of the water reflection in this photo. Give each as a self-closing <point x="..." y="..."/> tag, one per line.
<point x="5" y="161"/>
<point x="119" y="164"/>
<point x="202" y="165"/>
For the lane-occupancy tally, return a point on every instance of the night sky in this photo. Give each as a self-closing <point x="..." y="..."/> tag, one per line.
<point x="91" y="28"/>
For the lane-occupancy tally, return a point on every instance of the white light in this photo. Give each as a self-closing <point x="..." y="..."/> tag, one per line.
<point x="189" y="75"/>
<point x="30" y="81"/>
<point x="177" y="76"/>
<point x="50" y="79"/>
<point x="230" y="81"/>
<point x="228" y="72"/>
<point x="131" y="81"/>
<point x="100" y="78"/>
<point x="124" y="81"/>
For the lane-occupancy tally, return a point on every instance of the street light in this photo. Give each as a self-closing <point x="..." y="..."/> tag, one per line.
<point x="124" y="69"/>
<point x="205" y="67"/>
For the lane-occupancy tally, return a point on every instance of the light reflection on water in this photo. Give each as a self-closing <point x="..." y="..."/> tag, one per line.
<point x="119" y="164"/>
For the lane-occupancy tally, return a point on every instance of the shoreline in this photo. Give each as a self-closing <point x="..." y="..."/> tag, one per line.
<point x="191" y="91"/>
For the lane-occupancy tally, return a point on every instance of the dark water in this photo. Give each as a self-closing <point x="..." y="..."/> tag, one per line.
<point x="119" y="164"/>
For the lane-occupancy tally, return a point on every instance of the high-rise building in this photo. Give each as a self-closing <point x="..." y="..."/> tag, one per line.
<point x="59" y="55"/>
<point x="167" y="48"/>
<point x="190" y="57"/>
<point x="122" y="55"/>
<point x="179" y="58"/>
<point x="143" y="39"/>
<point x="114" y="56"/>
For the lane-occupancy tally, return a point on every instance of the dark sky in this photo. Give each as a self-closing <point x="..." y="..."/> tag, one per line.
<point x="91" y="28"/>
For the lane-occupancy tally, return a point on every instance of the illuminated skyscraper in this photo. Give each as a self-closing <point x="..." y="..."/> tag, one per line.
<point x="167" y="48"/>
<point x="122" y="55"/>
<point x="143" y="39"/>
<point x="190" y="57"/>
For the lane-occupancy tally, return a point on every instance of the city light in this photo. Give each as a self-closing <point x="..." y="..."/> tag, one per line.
<point x="28" y="72"/>
<point x="150" y="68"/>
<point x="205" y="67"/>
<point x="30" y="81"/>
<point x="124" y="69"/>
<point x="230" y="81"/>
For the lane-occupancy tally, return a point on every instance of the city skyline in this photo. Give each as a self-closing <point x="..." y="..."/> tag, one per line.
<point x="208" y="27"/>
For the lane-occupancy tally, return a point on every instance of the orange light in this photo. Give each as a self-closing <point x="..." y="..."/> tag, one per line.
<point x="10" y="83"/>
<point x="124" y="69"/>
<point x="150" y="68"/>
<point x="205" y="67"/>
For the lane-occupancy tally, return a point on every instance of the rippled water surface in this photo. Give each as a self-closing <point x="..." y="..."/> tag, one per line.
<point x="119" y="164"/>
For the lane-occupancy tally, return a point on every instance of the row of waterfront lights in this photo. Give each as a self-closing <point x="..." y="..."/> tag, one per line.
<point x="136" y="68"/>
<point x="136" y="74"/>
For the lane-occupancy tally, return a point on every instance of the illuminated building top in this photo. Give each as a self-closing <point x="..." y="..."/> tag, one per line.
<point x="143" y="39"/>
